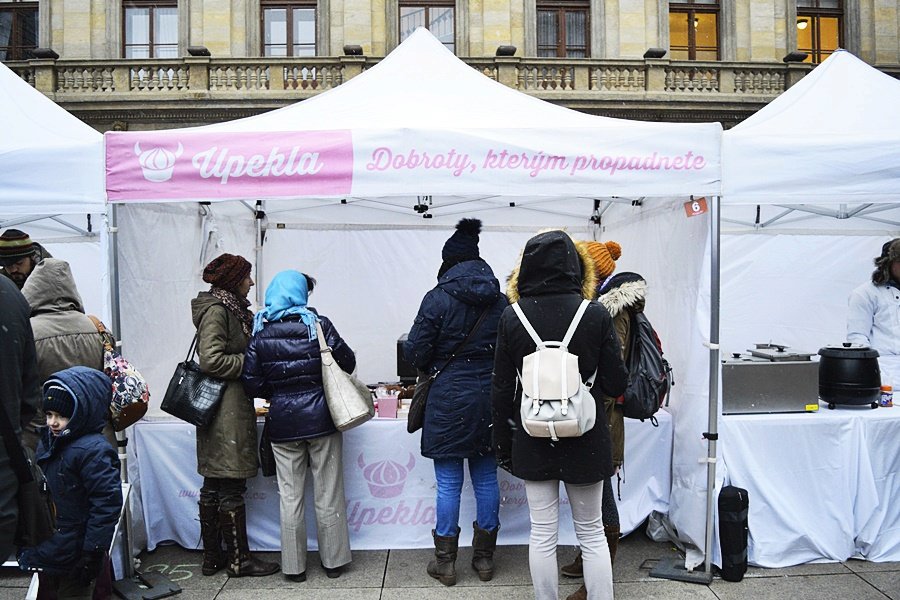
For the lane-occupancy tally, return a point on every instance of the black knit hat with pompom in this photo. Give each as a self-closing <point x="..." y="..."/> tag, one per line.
<point x="463" y="244"/>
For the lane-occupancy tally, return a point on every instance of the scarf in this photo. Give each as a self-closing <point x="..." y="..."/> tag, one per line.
<point x="287" y="295"/>
<point x="237" y="305"/>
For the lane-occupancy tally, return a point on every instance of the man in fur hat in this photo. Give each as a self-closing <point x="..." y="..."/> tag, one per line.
<point x="19" y="255"/>
<point x="872" y="318"/>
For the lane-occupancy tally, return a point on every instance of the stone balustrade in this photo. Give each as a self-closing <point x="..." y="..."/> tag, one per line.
<point x="595" y="85"/>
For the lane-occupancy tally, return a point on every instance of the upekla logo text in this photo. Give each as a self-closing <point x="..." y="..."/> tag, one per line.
<point x="158" y="163"/>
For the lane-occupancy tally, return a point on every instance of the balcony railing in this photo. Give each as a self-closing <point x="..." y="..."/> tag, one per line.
<point x="276" y="80"/>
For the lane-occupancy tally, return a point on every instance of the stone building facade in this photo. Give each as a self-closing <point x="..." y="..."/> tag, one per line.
<point x="147" y="64"/>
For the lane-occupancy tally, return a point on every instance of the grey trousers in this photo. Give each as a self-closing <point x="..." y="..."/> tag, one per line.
<point x="324" y="456"/>
<point x="543" y="506"/>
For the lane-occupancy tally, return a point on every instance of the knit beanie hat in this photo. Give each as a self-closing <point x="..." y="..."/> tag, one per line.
<point x="58" y="399"/>
<point x="14" y="246"/>
<point x="463" y="244"/>
<point x="604" y="255"/>
<point x="226" y="271"/>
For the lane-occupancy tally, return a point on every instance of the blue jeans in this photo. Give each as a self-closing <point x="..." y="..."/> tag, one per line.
<point x="449" y="475"/>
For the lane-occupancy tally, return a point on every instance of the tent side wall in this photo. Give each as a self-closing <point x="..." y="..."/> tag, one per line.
<point x="671" y="251"/>
<point x="162" y="252"/>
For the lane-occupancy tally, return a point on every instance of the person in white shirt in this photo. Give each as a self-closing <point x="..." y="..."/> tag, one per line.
<point x="873" y="317"/>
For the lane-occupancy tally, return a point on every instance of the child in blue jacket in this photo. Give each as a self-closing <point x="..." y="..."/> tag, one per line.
<point x="82" y="471"/>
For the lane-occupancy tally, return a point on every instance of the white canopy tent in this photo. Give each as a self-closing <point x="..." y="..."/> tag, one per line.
<point x="811" y="185"/>
<point x="52" y="184"/>
<point x="327" y="201"/>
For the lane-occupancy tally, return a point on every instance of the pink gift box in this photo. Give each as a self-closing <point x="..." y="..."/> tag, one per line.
<point x="387" y="407"/>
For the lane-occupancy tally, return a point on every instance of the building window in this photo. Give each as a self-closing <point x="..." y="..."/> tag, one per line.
<point x="151" y="29"/>
<point x="563" y="29"/>
<point x="819" y="26"/>
<point x="289" y="28"/>
<point x="694" y="29"/>
<point x="438" y="17"/>
<point x="18" y="29"/>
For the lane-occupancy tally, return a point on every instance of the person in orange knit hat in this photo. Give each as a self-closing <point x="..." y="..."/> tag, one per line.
<point x="604" y="255"/>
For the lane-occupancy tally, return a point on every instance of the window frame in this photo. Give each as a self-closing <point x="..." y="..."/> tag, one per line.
<point x="290" y="6"/>
<point x="561" y="8"/>
<point x="691" y="9"/>
<point x="151" y="44"/>
<point x="17" y="49"/>
<point x="814" y="14"/>
<point x="427" y="5"/>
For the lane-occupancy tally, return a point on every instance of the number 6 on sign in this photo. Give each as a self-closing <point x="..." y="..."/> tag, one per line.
<point x="695" y="206"/>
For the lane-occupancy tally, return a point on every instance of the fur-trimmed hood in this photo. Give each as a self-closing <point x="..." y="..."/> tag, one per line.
<point x="624" y="291"/>
<point x="554" y="263"/>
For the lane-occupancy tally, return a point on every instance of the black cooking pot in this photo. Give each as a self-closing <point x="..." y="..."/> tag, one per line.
<point x="849" y="374"/>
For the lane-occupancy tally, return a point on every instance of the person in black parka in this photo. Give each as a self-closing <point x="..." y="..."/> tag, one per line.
<point x="457" y="424"/>
<point x="20" y="397"/>
<point x="553" y="278"/>
<point x="82" y="471"/>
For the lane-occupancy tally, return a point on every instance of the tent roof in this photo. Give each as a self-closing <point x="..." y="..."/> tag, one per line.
<point x="422" y="84"/>
<point x="372" y="134"/>
<point x="834" y="137"/>
<point x="51" y="162"/>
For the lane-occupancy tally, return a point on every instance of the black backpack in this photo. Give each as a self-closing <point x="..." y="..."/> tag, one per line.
<point x="649" y="374"/>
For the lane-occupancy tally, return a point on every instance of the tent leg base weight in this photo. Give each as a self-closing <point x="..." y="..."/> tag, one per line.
<point x="145" y="586"/>
<point x="673" y="568"/>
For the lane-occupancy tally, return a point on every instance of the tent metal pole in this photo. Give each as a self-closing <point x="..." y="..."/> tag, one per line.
<point x="712" y="434"/>
<point x="259" y="215"/>
<point x="113" y="259"/>
<point x="671" y="568"/>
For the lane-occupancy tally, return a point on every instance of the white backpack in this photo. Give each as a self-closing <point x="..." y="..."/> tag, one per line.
<point x="555" y="402"/>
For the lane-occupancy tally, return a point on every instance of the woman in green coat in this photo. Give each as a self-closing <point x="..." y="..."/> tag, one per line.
<point x="227" y="447"/>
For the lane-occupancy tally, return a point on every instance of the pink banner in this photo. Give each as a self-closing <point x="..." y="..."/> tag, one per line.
<point x="195" y="166"/>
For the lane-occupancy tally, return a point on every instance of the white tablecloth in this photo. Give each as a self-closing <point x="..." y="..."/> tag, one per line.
<point x="390" y="488"/>
<point x="822" y="486"/>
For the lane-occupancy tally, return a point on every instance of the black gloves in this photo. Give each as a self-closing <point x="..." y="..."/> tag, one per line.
<point x="88" y="567"/>
<point x="504" y="461"/>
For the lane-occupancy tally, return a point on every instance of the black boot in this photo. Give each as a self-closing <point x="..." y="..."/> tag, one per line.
<point x="240" y="562"/>
<point x="211" y="536"/>
<point x="483" y="544"/>
<point x="443" y="567"/>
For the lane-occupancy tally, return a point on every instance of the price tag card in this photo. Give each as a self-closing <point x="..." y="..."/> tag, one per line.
<point x="695" y="207"/>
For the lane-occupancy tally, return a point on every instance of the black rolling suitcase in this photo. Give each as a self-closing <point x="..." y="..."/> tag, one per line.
<point x="733" y="509"/>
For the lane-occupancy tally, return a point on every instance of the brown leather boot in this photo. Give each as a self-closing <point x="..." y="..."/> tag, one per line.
<point x="575" y="568"/>
<point x="240" y="562"/>
<point x="211" y="536"/>
<point x="484" y="543"/>
<point x="612" y="541"/>
<point x="443" y="567"/>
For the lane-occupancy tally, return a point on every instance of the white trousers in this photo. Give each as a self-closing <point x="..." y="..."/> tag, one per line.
<point x="543" y="506"/>
<point x="324" y="456"/>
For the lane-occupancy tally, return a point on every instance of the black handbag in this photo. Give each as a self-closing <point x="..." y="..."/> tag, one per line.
<point x="266" y="455"/>
<point x="192" y="395"/>
<point x="37" y="514"/>
<point x="416" y="417"/>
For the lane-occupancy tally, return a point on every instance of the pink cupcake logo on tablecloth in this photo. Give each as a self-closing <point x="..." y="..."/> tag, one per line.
<point x="386" y="478"/>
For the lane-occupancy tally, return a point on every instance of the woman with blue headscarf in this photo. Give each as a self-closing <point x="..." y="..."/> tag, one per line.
<point x="283" y="365"/>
